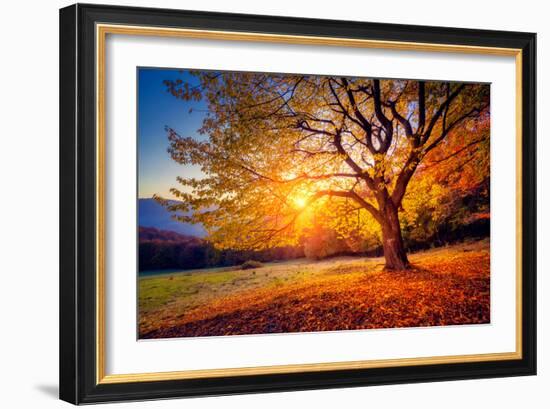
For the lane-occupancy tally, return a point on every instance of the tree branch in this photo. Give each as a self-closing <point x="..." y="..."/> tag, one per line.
<point x="403" y="121"/>
<point x="452" y="155"/>
<point x="457" y="121"/>
<point x="421" y="106"/>
<point x="386" y="123"/>
<point x="351" y="195"/>
<point x="404" y="177"/>
<point x="439" y="112"/>
<point x="337" y="141"/>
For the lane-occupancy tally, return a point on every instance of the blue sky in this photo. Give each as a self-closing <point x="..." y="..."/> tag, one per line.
<point x="156" y="109"/>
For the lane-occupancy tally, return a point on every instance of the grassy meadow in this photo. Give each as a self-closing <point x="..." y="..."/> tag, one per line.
<point x="445" y="286"/>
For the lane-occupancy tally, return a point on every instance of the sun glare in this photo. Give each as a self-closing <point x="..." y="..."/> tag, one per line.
<point x="300" y="202"/>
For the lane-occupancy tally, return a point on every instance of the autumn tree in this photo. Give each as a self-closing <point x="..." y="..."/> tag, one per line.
<point x="276" y="148"/>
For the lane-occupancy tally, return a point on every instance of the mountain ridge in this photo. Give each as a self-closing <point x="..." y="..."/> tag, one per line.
<point x="153" y="214"/>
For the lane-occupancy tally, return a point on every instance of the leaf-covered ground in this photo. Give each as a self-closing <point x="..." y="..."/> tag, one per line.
<point x="448" y="286"/>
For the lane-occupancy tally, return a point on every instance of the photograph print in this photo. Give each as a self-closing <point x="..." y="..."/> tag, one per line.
<point x="286" y="203"/>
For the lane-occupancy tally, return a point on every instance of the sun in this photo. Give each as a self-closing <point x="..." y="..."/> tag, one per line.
<point x="300" y="202"/>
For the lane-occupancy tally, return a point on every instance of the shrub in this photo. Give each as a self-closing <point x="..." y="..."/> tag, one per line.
<point x="249" y="264"/>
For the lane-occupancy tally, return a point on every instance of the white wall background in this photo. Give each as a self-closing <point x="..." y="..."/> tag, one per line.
<point x="29" y="206"/>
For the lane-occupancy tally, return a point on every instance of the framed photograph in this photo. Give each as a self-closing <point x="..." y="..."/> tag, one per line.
<point x="256" y="203"/>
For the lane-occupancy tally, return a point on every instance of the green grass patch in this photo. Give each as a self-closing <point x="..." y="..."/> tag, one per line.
<point x="157" y="291"/>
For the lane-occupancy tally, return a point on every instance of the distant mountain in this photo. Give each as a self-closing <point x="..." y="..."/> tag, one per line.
<point x="152" y="214"/>
<point x="152" y="234"/>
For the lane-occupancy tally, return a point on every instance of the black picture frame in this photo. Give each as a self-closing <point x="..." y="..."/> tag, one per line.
<point x="78" y="258"/>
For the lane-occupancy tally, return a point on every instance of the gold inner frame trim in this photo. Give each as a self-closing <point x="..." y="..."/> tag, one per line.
<point x="101" y="33"/>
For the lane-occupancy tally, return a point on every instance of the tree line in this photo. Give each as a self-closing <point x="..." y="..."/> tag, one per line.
<point x="161" y="249"/>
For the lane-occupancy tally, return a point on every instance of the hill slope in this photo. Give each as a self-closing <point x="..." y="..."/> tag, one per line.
<point x="152" y="214"/>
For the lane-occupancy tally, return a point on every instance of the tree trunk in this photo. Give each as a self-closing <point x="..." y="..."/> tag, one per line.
<point x="394" y="249"/>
